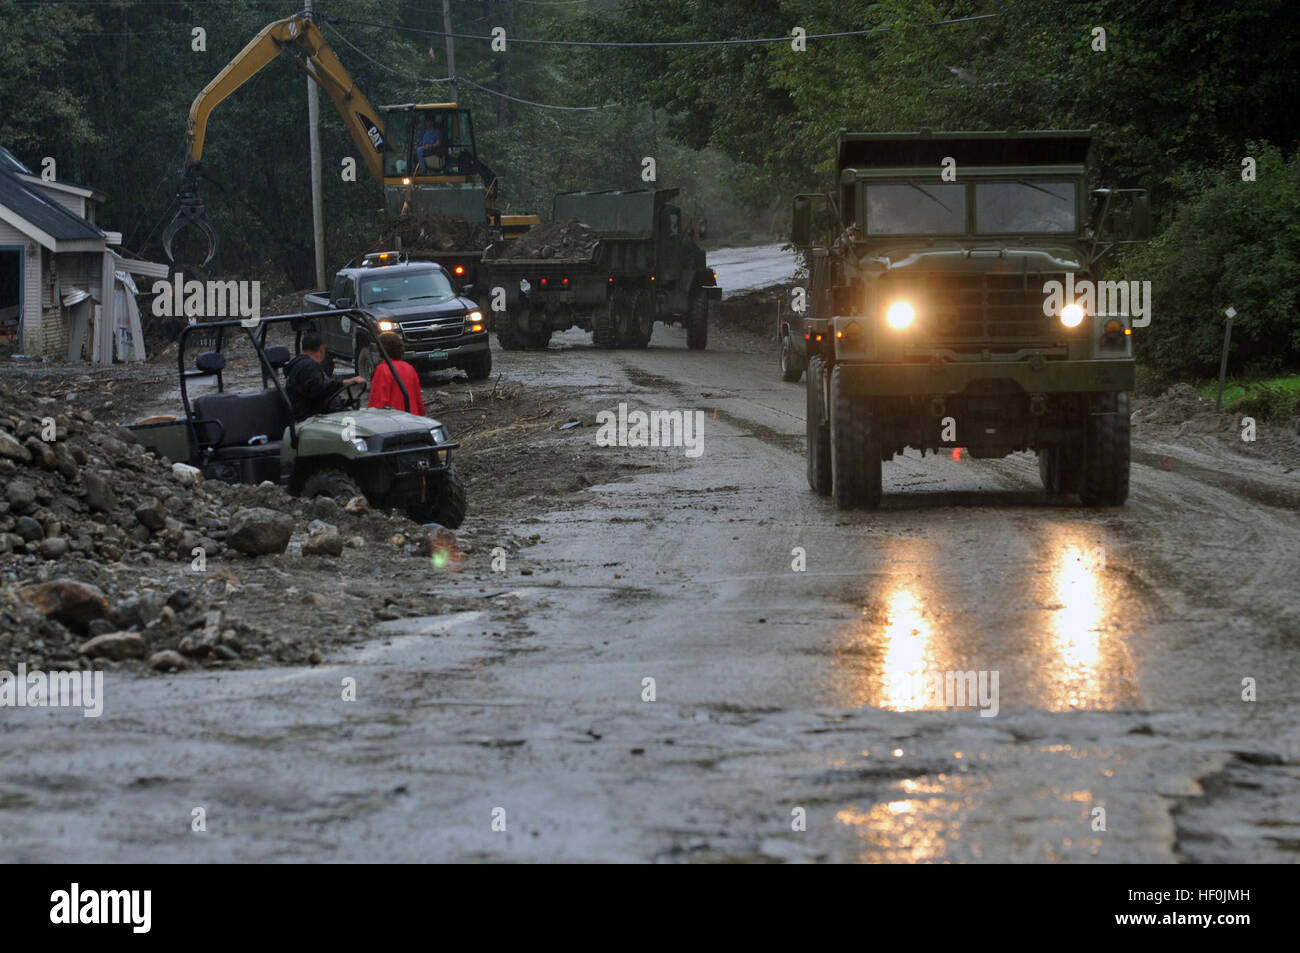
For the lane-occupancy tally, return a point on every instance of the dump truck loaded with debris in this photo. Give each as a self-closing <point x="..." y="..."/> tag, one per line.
<point x="612" y="263"/>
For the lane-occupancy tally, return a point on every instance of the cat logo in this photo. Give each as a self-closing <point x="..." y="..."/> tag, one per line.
<point x="376" y="137"/>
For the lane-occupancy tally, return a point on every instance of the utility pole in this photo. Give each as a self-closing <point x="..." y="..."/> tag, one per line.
<point x="451" y="48"/>
<point x="317" y="210"/>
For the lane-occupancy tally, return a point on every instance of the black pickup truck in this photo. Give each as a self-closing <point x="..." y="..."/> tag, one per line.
<point x="417" y="299"/>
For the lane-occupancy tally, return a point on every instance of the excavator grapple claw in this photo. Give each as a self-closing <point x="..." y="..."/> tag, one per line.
<point x="191" y="212"/>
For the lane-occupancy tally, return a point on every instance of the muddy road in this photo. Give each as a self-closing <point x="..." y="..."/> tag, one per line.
<point x="792" y="651"/>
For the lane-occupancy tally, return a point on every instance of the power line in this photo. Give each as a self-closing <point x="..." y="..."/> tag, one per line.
<point x="459" y="79"/>
<point x="659" y="43"/>
<point x="529" y="102"/>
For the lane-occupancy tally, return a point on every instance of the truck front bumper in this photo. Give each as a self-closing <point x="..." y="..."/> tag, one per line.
<point x="457" y="349"/>
<point x="950" y="377"/>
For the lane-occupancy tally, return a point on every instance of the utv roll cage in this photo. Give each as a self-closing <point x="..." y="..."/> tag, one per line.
<point x="270" y="359"/>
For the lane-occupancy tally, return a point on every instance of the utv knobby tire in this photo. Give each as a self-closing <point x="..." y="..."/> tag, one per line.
<point x="819" y="434"/>
<point x="697" y="325"/>
<point x="855" y="453"/>
<point x="1106" y="451"/>
<point x="331" y="482"/>
<point x="448" y="506"/>
<point x="791" y="367"/>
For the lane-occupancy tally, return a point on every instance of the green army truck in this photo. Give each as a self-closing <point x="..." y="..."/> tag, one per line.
<point x="645" y="266"/>
<point x="951" y="304"/>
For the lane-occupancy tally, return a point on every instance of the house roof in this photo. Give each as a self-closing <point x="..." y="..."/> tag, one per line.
<point x="46" y="220"/>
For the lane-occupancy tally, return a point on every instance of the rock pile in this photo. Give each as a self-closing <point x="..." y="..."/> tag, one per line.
<point x="569" y="240"/>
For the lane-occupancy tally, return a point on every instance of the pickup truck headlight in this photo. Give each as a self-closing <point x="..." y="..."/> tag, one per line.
<point x="900" y="315"/>
<point x="475" y="321"/>
<point x="387" y="325"/>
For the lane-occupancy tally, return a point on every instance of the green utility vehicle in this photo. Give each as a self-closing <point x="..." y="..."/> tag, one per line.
<point x="395" y="459"/>
<point x="950" y="305"/>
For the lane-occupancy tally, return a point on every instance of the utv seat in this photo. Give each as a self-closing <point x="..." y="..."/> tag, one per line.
<point x="239" y="418"/>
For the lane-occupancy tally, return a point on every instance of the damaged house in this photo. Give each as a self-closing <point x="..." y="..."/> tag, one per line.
<point x="66" y="291"/>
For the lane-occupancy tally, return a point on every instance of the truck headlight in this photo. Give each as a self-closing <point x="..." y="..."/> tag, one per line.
<point x="439" y="435"/>
<point x="900" y="314"/>
<point x="387" y="325"/>
<point x="1072" y="315"/>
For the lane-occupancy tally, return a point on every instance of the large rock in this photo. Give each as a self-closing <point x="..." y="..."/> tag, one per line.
<point x="167" y="660"/>
<point x="323" y="539"/>
<point x="137" y="610"/>
<point x="99" y="491"/>
<point x="152" y="513"/>
<point x="42" y="453"/>
<point x="20" y="494"/>
<point x="12" y="449"/>
<point x="257" y="530"/>
<point x="114" y="645"/>
<point x="68" y="601"/>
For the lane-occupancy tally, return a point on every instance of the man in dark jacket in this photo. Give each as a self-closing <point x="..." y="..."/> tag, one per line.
<point x="309" y="388"/>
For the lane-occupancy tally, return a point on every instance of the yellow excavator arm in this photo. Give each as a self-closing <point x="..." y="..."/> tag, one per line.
<point x="320" y="63"/>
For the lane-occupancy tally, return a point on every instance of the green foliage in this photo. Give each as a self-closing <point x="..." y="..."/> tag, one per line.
<point x="1236" y="244"/>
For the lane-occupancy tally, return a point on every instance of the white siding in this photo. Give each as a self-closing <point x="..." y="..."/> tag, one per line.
<point x="31" y="285"/>
<point x="73" y="203"/>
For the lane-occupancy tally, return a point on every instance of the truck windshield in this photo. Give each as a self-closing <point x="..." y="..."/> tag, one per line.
<point x="911" y="209"/>
<point x="1024" y="206"/>
<point x="397" y="288"/>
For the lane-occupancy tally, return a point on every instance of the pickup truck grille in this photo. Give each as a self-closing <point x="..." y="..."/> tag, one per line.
<point x="984" y="308"/>
<point x="425" y="332"/>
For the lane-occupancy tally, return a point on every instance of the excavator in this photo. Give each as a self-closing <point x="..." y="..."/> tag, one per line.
<point x="423" y="155"/>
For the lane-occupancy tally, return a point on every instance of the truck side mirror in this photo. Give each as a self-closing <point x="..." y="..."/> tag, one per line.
<point x="340" y="303"/>
<point x="1141" y="222"/>
<point x="801" y="222"/>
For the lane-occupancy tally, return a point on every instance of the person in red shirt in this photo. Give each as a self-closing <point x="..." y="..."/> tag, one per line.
<point x="384" y="391"/>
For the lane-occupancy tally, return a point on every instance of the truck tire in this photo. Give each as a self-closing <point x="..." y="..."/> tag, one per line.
<point x="332" y="482"/>
<point x="697" y="328"/>
<point x="641" y="320"/>
<point x="365" y="362"/>
<point x="508" y="334"/>
<point x="855" y="452"/>
<point x="479" y="367"/>
<point x="448" y="506"/>
<point x="1106" y="451"/>
<point x="1060" y="467"/>
<point x="819" y="434"/>
<point x="791" y="366"/>
<point x="537" y="339"/>
<point x="604" y="321"/>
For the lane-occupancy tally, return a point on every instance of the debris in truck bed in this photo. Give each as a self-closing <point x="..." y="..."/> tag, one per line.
<point x="569" y="239"/>
<point x="431" y="232"/>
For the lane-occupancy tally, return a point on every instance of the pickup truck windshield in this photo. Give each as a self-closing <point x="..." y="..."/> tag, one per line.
<point x="400" y="288"/>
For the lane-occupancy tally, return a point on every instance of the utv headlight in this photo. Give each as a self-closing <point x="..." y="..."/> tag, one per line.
<point x="900" y="315"/>
<point x="360" y="444"/>
<point x="1072" y="315"/>
<point x="439" y="435"/>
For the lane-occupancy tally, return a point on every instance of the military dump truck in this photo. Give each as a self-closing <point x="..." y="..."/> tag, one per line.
<point x="643" y="267"/>
<point x="950" y="305"/>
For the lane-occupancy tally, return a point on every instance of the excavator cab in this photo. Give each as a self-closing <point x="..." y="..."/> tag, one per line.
<point x="431" y="163"/>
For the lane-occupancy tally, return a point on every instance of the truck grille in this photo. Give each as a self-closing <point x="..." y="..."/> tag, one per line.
<point x="984" y="308"/>
<point x="424" y="332"/>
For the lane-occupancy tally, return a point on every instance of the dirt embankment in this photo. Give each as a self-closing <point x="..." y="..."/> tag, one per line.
<point x="111" y="558"/>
